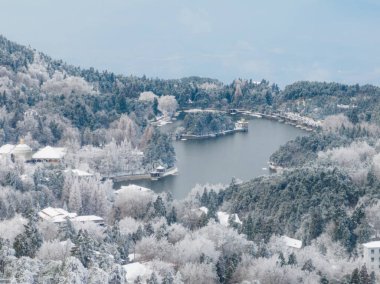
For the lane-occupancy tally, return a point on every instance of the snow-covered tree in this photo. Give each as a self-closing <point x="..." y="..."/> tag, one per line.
<point x="167" y="105"/>
<point x="62" y="84"/>
<point x="147" y="96"/>
<point x="28" y="242"/>
<point x="55" y="250"/>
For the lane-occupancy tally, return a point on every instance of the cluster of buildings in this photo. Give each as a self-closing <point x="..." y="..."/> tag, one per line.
<point x="25" y="152"/>
<point x="60" y="216"/>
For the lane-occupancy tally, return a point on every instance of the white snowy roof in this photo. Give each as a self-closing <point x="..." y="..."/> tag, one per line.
<point x="133" y="256"/>
<point x="374" y="244"/>
<point x="133" y="187"/>
<point x="58" y="215"/>
<point x="55" y="215"/>
<point x="223" y="218"/>
<point x="79" y="173"/>
<point x="204" y="209"/>
<point x="135" y="269"/>
<point x="52" y="212"/>
<point x="7" y="149"/>
<point x="290" y="242"/>
<point x="21" y="149"/>
<point x="50" y="153"/>
<point x="87" y="218"/>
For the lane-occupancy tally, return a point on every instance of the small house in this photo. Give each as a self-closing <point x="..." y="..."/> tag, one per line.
<point x="241" y="124"/>
<point x="157" y="173"/>
<point x="78" y="173"/>
<point x="55" y="215"/>
<point x="49" y="154"/>
<point x="132" y="187"/>
<point x="292" y="243"/>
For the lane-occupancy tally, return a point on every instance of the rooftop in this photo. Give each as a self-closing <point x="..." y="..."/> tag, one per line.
<point x="55" y="215"/>
<point x="290" y="242"/>
<point x="59" y="215"/>
<point x="87" y="218"/>
<point x="7" y="149"/>
<point x="374" y="244"/>
<point x="223" y="218"/>
<point x="79" y="173"/>
<point x="21" y="149"/>
<point x="50" y="153"/>
<point x="133" y="187"/>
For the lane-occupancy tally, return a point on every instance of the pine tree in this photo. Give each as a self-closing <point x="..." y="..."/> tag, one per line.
<point x="204" y="198"/>
<point x="28" y="242"/>
<point x="75" y="198"/>
<point x="69" y="232"/>
<point x="226" y="266"/>
<point x="232" y="223"/>
<point x="355" y="278"/>
<point x="364" y="277"/>
<point x="308" y="266"/>
<point x="148" y="229"/>
<point x="168" y="278"/>
<point x="138" y="280"/>
<point x="281" y="259"/>
<point x="373" y="277"/>
<point x="155" y="106"/>
<point x="324" y="280"/>
<point x="172" y="216"/>
<point x="84" y="248"/>
<point x="292" y="260"/>
<point x="137" y="236"/>
<point x="159" y="207"/>
<point x="153" y="279"/>
<point x="117" y="275"/>
<point x="248" y="227"/>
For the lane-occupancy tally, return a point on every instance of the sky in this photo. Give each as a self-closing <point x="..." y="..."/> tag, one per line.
<point x="280" y="41"/>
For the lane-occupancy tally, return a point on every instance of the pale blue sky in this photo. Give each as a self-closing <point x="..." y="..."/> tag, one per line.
<point x="281" y="41"/>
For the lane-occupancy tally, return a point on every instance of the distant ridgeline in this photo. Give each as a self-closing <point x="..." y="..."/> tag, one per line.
<point x="93" y="99"/>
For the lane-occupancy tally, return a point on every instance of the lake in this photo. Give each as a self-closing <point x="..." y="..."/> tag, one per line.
<point x="217" y="160"/>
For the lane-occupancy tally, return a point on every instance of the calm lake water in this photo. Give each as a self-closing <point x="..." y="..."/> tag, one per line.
<point x="217" y="160"/>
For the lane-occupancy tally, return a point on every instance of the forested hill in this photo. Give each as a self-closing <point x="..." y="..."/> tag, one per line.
<point x="87" y="97"/>
<point x="30" y="78"/>
<point x="28" y="74"/>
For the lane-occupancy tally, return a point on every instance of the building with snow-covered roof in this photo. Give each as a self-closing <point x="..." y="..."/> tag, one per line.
<point x="292" y="243"/>
<point x="60" y="216"/>
<point x="79" y="173"/>
<point x="224" y="217"/>
<point x="49" y="154"/>
<point x="6" y="149"/>
<point x="22" y="150"/>
<point x="55" y="215"/>
<point x="133" y="187"/>
<point x="371" y="253"/>
<point x="88" y="218"/>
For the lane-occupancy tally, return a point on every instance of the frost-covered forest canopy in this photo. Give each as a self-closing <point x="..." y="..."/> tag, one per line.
<point x="327" y="196"/>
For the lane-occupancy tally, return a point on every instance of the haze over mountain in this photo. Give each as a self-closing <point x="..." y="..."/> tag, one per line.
<point x="280" y="41"/>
